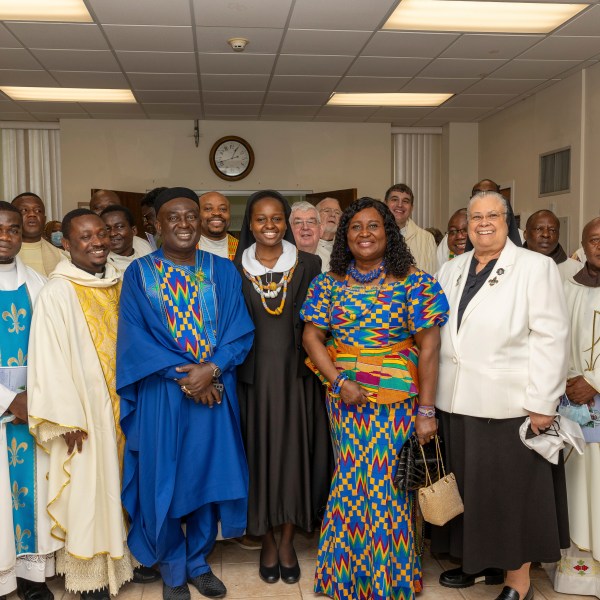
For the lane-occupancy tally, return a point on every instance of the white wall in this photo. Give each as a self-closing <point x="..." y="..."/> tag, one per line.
<point x="137" y="155"/>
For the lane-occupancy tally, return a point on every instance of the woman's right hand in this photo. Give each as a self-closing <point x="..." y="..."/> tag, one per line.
<point x="352" y="393"/>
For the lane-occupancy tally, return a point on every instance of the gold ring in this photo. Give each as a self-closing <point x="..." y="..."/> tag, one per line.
<point x="185" y="390"/>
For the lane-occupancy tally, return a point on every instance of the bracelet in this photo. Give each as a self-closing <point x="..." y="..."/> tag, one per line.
<point x="336" y="386"/>
<point x="426" y="411"/>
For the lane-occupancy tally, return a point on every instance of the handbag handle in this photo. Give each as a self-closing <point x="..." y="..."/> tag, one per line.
<point x="438" y="455"/>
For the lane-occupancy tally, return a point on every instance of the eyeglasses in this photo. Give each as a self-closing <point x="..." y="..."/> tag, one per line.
<point x="492" y="216"/>
<point x="305" y="223"/>
<point x="331" y="211"/>
<point x="454" y="232"/>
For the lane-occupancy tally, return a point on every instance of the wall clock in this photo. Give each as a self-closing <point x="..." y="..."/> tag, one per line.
<point x="231" y="158"/>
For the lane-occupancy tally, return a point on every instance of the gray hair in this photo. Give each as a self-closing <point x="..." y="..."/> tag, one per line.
<point x="320" y="202"/>
<point x="480" y="195"/>
<point x="304" y="206"/>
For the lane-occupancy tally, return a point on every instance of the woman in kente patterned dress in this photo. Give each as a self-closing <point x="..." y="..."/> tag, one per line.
<point x="380" y="367"/>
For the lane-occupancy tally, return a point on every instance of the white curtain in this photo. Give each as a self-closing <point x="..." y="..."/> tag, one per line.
<point x="31" y="163"/>
<point x="417" y="163"/>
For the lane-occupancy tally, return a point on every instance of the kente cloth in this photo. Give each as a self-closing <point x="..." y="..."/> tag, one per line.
<point x="225" y="247"/>
<point x="26" y="547"/>
<point x="367" y="548"/>
<point x="68" y="393"/>
<point x="180" y="455"/>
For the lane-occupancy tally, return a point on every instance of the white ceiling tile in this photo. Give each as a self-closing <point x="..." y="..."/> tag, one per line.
<point x="231" y="83"/>
<point x="36" y="78"/>
<point x="158" y="62"/>
<point x="13" y="107"/>
<point x="431" y="122"/>
<point x="49" y="117"/>
<point x="113" y="108"/>
<point x="529" y="69"/>
<point x="372" y="84"/>
<point x="303" y="83"/>
<point x="349" y="111"/>
<point x="233" y="97"/>
<point x="459" y="67"/>
<point x="490" y="46"/>
<point x="404" y="43"/>
<point x="283" y="111"/>
<point x="67" y="36"/>
<point x="90" y="80"/>
<point x="479" y="100"/>
<point x="236" y="63"/>
<point x="376" y="66"/>
<point x="404" y="112"/>
<point x="587" y="23"/>
<point x="164" y="81"/>
<point x="113" y="116"/>
<point x="397" y="122"/>
<point x="52" y="107"/>
<point x="301" y="98"/>
<point x="340" y="119"/>
<point x="150" y="38"/>
<point x="458" y="114"/>
<point x="7" y="39"/>
<point x="77" y="60"/>
<point x="286" y="117"/>
<point x="194" y="110"/>
<point x="248" y="13"/>
<point x="141" y="12"/>
<point x="168" y="96"/>
<point x="340" y="14"/>
<point x="232" y="109"/>
<point x="18" y="58"/>
<point x="304" y="64"/>
<point x="316" y="41"/>
<point x="504" y="86"/>
<point x="15" y="116"/>
<point x="261" y="40"/>
<point x="565" y="48"/>
<point x="438" y="85"/>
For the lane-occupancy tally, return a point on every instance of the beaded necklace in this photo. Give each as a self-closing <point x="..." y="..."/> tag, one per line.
<point x="353" y="272"/>
<point x="271" y="289"/>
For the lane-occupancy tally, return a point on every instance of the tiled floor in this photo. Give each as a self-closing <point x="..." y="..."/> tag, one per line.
<point x="238" y="569"/>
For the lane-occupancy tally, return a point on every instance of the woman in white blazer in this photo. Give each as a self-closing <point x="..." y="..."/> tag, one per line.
<point x="503" y="358"/>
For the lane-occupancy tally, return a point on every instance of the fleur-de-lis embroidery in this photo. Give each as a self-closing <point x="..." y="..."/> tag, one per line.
<point x="14" y="315"/>
<point x="20" y="535"/>
<point x="13" y="452"/>
<point x="19" y="361"/>
<point x="17" y="492"/>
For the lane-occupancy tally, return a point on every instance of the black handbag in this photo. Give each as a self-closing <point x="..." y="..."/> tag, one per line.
<point x="410" y="472"/>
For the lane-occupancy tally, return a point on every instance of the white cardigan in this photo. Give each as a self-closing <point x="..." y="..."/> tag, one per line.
<point x="510" y="354"/>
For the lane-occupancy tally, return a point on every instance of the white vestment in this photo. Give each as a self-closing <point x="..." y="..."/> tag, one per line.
<point x="421" y="245"/>
<point x="68" y="392"/>
<point x="568" y="268"/>
<point x="122" y="262"/>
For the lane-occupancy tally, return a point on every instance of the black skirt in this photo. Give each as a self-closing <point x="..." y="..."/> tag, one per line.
<point x="515" y="500"/>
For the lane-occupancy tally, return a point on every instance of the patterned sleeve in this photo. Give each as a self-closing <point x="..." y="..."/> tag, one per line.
<point x="318" y="298"/>
<point x="427" y="304"/>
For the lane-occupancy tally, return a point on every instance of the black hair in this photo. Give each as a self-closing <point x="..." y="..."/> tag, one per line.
<point x="400" y="187"/>
<point x="119" y="208"/>
<point x="8" y="207"/>
<point x="397" y="257"/>
<point x="476" y="189"/>
<point x="78" y="212"/>
<point x="148" y="199"/>
<point x="24" y="194"/>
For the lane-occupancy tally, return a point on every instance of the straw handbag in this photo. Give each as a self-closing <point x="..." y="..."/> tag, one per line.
<point x="440" y="502"/>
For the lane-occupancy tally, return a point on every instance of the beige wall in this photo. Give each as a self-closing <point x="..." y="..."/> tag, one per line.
<point x="135" y="155"/>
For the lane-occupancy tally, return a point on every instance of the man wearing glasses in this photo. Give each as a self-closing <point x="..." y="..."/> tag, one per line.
<point x="306" y="226"/>
<point x="330" y="212"/>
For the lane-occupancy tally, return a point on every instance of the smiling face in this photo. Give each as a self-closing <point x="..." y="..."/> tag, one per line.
<point x="366" y="236"/>
<point x="120" y="232"/>
<point x="267" y="222"/>
<point x="487" y="226"/>
<point x="88" y="243"/>
<point x="34" y="217"/>
<point x="178" y="223"/>
<point x="215" y="215"/>
<point x="457" y="232"/>
<point x="401" y="205"/>
<point x="542" y="232"/>
<point x="306" y="229"/>
<point x="330" y="213"/>
<point x="10" y="235"/>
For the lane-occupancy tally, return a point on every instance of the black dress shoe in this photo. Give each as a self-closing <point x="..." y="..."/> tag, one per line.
<point x="178" y="592"/>
<point x="33" y="590"/>
<point x="101" y="594"/>
<point x="269" y="574"/>
<point x="290" y="574"/>
<point x="509" y="593"/>
<point x="457" y="578"/>
<point x="143" y="574"/>
<point x="209" y="585"/>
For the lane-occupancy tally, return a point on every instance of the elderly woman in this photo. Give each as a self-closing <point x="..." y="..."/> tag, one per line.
<point x="503" y="358"/>
<point x="380" y="367"/>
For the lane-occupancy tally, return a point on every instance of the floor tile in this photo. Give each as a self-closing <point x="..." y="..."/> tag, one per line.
<point x="545" y="587"/>
<point x="439" y="593"/>
<point x="480" y="591"/>
<point x="242" y="581"/>
<point x="431" y="572"/>
<point x="232" y="553"/>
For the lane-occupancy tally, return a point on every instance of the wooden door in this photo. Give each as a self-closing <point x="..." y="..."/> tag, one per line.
<point x="344" y="197"/>
<point x="132" y="201"/>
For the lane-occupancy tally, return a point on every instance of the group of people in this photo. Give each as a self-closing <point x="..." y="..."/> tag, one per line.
<point x="157" y="393"/>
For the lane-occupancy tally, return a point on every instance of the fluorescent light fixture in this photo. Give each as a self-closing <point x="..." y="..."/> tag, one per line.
<point x="387" y="99"/>
<point x="44" y="10"/>
<point x="49" y="94"/>
<point x="465" y="15"/>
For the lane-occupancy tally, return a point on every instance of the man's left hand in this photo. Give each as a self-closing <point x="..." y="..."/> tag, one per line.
<point x="579" y="390"/>
<point x="198" y="378"/>
<point x="18" y="407"/>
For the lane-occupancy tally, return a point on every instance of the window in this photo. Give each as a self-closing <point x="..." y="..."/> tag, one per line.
<point x="555" y="172"/>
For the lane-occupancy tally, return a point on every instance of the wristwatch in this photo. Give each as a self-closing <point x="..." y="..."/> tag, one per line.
<point x="217" y="372"/>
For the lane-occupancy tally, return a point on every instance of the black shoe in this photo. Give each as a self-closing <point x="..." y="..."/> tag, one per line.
<point x="101" y="594"/>
<point x="179" y="592"/>
<point x="144" y="574"/>
<point x="209" y="585"/>
<point x="457" y="578"/>
<point x="269" y="574"/>
<point x="509" y="593"/>
<point x="33" y="590"/>
<point x="290" y="574"/>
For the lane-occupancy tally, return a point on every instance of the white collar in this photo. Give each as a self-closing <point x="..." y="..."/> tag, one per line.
<point x="284" y="263"/>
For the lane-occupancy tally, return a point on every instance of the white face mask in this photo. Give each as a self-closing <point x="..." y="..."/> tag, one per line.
<point x="56" y="238"/>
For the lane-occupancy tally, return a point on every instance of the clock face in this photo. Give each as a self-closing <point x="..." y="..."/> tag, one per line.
<point x="232" y="158"/>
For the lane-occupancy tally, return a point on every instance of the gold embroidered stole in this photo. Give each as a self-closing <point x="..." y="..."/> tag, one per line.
<point x="101" y="310"/>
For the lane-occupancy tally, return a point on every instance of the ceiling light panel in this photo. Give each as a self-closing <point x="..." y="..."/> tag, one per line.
<point x="65" y="11"/>
<point x="49" y="94"/>
<point x="400" y="99"/>
<point x="466" y="15"/>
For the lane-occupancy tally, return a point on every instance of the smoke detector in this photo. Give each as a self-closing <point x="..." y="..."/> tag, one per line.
<point x="238" y="44"/>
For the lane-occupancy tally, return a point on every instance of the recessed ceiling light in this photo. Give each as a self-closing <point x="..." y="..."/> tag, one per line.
<point x="398" y="99"/>
<point x="48" y="94"/>
<point x="44" y="10"/>
<point x="467" y="15"/>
